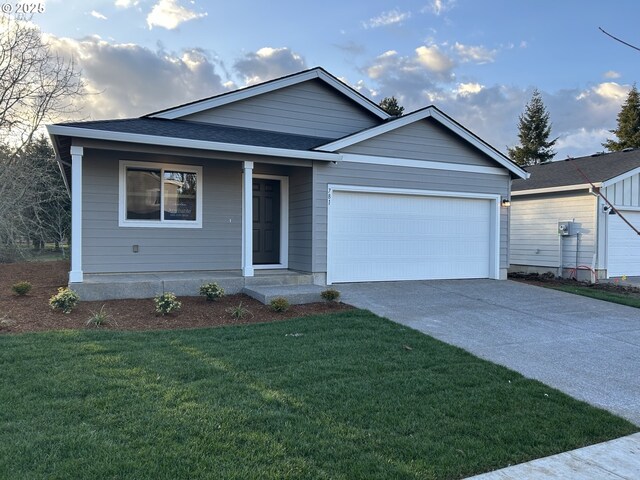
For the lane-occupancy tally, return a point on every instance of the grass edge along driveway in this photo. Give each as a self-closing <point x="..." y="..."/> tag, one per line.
<point x="346" y="396"/>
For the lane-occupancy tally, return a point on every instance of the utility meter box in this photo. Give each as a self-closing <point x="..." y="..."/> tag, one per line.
<point x="566" y="229"/>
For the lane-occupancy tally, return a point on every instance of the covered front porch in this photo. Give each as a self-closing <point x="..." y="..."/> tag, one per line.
<point x="253" y="223"/>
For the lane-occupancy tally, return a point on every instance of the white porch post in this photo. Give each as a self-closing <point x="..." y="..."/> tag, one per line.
<point x="75" y="275"/>
<point x="247" y="219"/>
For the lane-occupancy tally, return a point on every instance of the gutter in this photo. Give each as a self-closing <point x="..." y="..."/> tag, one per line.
<point x="190" y="143"/>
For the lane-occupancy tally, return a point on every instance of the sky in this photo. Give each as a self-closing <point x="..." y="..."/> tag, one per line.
<point x="477" y="60"/>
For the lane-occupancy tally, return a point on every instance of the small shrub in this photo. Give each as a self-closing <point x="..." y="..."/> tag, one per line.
<point x="238" y="312"/>
<point x="98" y="318"/>
<point x="167" y="303"/>
<point x="279" y="304"/>
<point x="212" y="291"/>
<point x="65" y="300"/>
<point x="21" y="288"/>
<point x="330" y="295"/>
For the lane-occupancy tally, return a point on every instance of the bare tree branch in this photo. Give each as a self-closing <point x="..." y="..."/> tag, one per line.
<point x="36" y="86"/>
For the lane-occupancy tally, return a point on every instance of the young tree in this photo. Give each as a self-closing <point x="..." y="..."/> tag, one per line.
<point x="534" y="130"/>
<point x="391" y="106"/>
<point x="628" y="131"/>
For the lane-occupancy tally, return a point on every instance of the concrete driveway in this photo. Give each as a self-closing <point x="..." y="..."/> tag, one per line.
<point x="587" y="348"/>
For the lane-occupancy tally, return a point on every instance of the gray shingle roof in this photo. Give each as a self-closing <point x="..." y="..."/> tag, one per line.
<point x="598" y="168"/>
<point x="203" y="131"/>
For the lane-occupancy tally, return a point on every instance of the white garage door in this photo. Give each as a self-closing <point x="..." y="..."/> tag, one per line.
<point x="385" y="237"/>
<point x="624" y="245"/>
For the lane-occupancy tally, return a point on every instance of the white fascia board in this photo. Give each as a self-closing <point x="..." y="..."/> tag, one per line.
<point x="188" y="143"/>
<point x="426" y="164"/>
<point x="253" y="91"/>
<point x="417" y="116"/>
<point x="611" y="181"/>
<point x="563" y="188"/>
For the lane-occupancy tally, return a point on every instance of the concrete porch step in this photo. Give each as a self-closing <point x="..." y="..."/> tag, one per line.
<point x="296" y="294"/>
<point x="277" y="278"/>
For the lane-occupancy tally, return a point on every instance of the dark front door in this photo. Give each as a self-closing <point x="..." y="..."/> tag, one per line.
<point x="266" y="221"/>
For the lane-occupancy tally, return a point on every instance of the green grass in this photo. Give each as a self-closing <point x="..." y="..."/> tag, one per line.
<point x="343" y="396"/>
<point x="607" y="296"/>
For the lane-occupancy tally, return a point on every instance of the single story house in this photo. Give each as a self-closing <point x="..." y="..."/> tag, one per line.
<point x="561" y="222"/>
<point x="301" y="173"/>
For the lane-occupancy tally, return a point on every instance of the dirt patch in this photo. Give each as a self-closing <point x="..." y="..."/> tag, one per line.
<point x="32" y="312"/>
<point x="549" y="280"/>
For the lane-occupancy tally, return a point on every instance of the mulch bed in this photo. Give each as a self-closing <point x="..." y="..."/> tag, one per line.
<point x="32" y="312"/>
<point x="549" y="280"/>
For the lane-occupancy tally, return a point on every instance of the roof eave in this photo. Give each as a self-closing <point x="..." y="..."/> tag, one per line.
<point x="560" y="188"/>
<point x="190" y="143"/>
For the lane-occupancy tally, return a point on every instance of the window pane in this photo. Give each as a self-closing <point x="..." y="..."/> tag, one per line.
<point x="143" y="194"/>
<point x="180" y="195"/>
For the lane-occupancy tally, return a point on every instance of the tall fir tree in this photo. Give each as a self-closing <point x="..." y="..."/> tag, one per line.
<point x="534" y="130"/>
<point x="391" y="106"/>
<point x="628" y="131"/>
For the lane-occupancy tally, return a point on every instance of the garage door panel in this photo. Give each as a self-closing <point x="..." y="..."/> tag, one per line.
<point x="378" y="237"/>
<point x="623" y="245"/>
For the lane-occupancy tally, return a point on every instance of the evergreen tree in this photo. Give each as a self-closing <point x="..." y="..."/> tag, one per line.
<point x="391" y="106"/>
<point x="533" y="131"/>
<point x="628" y="131"/>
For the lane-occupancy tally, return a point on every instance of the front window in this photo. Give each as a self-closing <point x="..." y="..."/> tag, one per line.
<point x="160" y="195"/>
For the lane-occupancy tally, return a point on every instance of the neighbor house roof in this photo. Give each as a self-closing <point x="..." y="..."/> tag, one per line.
<point x="598" y="169"/>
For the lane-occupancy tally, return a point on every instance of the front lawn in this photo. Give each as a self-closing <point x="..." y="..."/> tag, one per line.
<point x="608" y="296"/>
<point x="348" y="395"/>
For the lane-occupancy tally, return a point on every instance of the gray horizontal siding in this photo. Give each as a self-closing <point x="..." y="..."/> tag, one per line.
<point x="347" y="173"/>
<point x="534" y="229"/>
<point x="300" y="219"/>
<point x="423" y="140"/>
<point x="308" y="108"/>
<point x="107" y="247"/>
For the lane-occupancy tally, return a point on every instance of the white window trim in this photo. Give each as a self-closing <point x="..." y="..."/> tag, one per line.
<point x="122" y="196"/>
<point x="284" y="223"/>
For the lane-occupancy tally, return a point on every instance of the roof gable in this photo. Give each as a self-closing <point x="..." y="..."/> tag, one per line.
<point x="411" y="118"/>
<point x="255" y="90"/>
<point x="599" y="169"/>
<point x="306" y="108"/>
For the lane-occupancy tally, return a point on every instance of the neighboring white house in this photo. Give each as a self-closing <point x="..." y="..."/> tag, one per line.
<point x="594" y="239"/>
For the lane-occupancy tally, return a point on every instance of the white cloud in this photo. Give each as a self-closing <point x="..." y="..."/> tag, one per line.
<point x="474" y="53"/>
<point x="125" y="80"/>
<point x="126" y="3"/>
<point x="466" y="89"/>
<point x="268" y="63"/>
<point x="581" y="141"/>
<point x="438" y="6"/>
<point x="392" y="17"/>
<point x="169" y="14"/>
<point x="611" y="74"/>
<point x="523" y="44"/>
<point x="433" y="59"/>
<point x="98" y="15"/>
<point x="612" y="91"/>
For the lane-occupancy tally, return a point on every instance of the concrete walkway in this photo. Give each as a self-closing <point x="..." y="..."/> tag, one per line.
<point x="587" y="348"/>
<point x="615" y="460"/>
